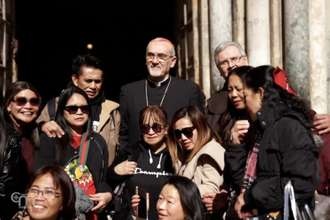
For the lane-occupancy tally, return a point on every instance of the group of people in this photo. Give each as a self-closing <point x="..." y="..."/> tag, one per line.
<point x="85" y="156"/>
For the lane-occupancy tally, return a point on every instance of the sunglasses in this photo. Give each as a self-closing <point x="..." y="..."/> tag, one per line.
<point x="157" y="128"/>
<point x="188" y="132"/>
<point x="72" y="109"/>
<point x="21" y="101"/>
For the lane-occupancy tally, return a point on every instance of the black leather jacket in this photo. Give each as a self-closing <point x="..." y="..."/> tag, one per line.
<point x="13" y="177"/>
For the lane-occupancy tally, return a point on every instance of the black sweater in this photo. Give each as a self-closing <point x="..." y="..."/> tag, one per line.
<point x="150" y="176"/>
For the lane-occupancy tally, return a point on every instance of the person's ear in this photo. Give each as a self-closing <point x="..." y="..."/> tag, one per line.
<point x="8" y="109"/>
<point x="246" y="59"/>
<point x="173" y="61"/>
<point x="261" y="92"/>
<point x="166" y="129"/>
<point x="74" y="78"/>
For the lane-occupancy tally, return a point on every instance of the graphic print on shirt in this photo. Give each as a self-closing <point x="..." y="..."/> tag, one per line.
<point x="84" y="178"/>
<point x="140" y="171"/>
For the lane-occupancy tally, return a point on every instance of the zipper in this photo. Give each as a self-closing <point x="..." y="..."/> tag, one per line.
<point x="101" y="176"/>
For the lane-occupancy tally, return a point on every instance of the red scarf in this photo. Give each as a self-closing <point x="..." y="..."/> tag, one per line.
<point x="250" y="175"/>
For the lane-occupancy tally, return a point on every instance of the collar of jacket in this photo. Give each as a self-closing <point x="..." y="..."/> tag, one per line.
<point x="268" y="116"/>
<point x="107" y="107"/>
<point x="217" y="103"/>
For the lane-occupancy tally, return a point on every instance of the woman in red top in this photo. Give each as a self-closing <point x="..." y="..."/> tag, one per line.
<point x="81" y="152"/>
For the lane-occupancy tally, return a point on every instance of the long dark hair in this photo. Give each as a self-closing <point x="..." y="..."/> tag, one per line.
<point x="64" y="141"/>
<point x="231" y="115"/>
<point x="31" y="129"/>
<point x="61" y="180"/>
<point x="190" y="197"/>
<point x="205" y="133"/>
<point x="262" y="76"/>
<point x="3" y="136"/>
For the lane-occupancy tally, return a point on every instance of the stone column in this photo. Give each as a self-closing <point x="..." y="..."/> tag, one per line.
<point x="296" y="44"/>
<point x="204" y="48"/>
<point x="317" y="56"/>
<point x="220" y="30"/>
<point x="239" y="22"/>
<point x="276" y="52"/>
<point x="258" y="42"/>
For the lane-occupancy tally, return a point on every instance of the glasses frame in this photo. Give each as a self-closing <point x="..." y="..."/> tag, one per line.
<point x="221" y="64"/>
<point x="188" y="132"/>
<point x="146" y="128"/>
<point x="157" y="57"/>
<point x="22" y="101"/>
<point x="55" y="194"/>
<point x="73" y="109"/>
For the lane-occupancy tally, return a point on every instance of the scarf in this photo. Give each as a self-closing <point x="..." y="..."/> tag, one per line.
<point x="250" y="175"/>
<point x="96" y="106"/>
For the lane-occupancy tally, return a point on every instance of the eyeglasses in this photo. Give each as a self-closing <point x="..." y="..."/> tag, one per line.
<point x="160" y="57"/>
<point x="233" y="60"/>
<point x="21" y="101"/>
<point x="72" y="109"/>
<point x="157" y="128"/>
<point x="47" y="193"/>
<point x="188" y="132"/>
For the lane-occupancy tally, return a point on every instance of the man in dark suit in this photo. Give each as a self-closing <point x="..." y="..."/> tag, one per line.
<point x="159" y="88"/>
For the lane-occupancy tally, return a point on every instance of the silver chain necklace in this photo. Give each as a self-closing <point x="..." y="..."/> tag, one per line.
<point x="146" y="90"/>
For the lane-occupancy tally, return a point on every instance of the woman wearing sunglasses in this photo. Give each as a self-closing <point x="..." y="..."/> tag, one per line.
<point x="81" y="152"/>
<point x="195" y="149"/>
<point x="146" y="164"/>
<point x="19" y="139"/>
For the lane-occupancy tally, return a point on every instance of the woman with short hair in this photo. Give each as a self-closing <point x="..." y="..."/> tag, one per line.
<point x="50" y="196"/>
<point x="146" y="164"/>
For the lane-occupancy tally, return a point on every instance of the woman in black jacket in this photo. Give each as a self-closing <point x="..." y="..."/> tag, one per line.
<point x="19" y="137"/>
<point x="81" y="152"/>
<point x="146" y="164"/>
<point x="280" y="146"/>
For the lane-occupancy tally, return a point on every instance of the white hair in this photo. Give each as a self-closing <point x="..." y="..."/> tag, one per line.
<point x="223" y="46"/>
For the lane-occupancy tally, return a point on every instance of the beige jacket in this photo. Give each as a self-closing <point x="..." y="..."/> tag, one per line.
<point x="206" y="168"/>
<point x="108" y="126"/>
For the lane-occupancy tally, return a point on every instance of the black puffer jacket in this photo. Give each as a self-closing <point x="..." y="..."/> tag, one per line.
<point x="287" y="152"/>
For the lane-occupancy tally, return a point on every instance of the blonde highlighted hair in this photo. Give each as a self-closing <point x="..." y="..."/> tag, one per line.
<point x="205" y="134"/>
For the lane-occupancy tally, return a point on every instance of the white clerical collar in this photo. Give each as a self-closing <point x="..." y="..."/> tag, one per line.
<point x="158" y="84"/>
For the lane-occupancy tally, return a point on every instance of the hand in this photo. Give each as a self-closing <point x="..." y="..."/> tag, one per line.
<point x="103" y="199"/>
<point x="239" y="131"/>
<point x="125" y="168"/>
<point x="321" y="123"/>
<point x="239" y="204"/>
<point x="52" y="129"/>
<point x="215" y="201"/>
<point x="135" y="203"/>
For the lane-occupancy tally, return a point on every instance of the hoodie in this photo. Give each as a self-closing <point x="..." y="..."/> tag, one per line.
<point x="150" y="174"/>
